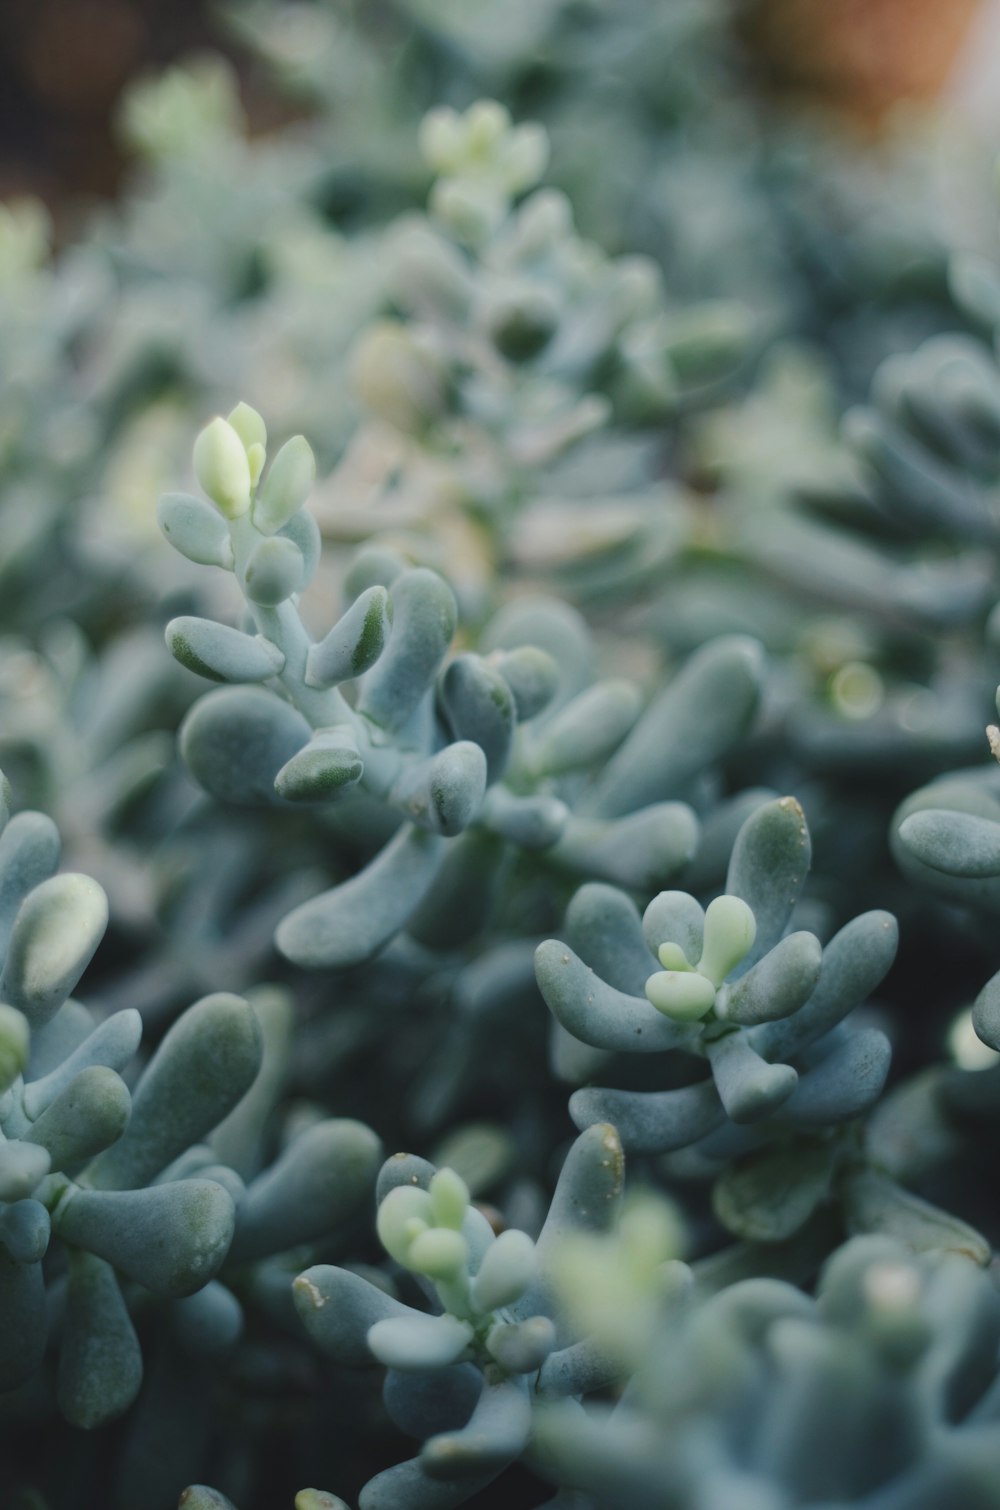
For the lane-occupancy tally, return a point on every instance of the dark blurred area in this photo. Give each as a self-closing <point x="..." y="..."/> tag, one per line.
<point x="63" y="65"/>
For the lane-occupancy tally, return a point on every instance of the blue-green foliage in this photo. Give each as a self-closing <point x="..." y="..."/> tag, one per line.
<point x="464" y="1378"/>
<point x="763" y="1006"/>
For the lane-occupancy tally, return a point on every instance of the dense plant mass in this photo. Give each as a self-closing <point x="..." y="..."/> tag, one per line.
<point x="579" y="482"/>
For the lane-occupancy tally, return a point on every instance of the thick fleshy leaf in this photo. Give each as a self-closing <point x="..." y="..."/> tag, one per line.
<point x="443" y="794"/>
<point x="339" y="1309"/>
<point x="496" y="1434"/>
<point x="603" y="927"/>
<point x="479" y="706"/>
<point x="777" y="985"/>
<point x="352" y="922"/>
<point x="206" y="1062"/>
<point x="195" y="529"/>
<point x="521" y="1347"/>
<point x="875" y="1203"/>
<point x="854" y="962"/>
<point x="641" y="851"/>
<point x="595" y="1012"/>
<point x="209" y="1322"/>
<point x="286" y="487"/>
<point x="319" y="1180"/>
<point x="424" y="615"/>
<point x="111" y="1044"/>
<point x="958" y="844"/>
<point x="509" y="1266"/>
<point x="585" y="731"/>
<point x="354" y="643"/>
<point x="274" y="571"/>
<point x="844" y="1083"/>
<point x="25" y="1228"/>
<point x="57" y="929"/>
<point x="704" y="712"/>
<point x="674" y="917"/>
<point x="651" y="1121"/>
<point x="769" y="1195"/>
<point x="532" y="822"/>
<point x="86" y="1117"/>
<point x="408" y="1484"/>
<point x="532" y="676"/>
<point x="424" y="1404"/>
<point x="236" y="740"/>
<point x="172" y="1239"/>
<point x="15" y="1045"/>
<point x="986" y="1013"/>
<point x="100" y="1364"/>
<point x="22" y="1165"/>
<point x="29" y="854"/>
<point x="749" y="1087"/>
<point x="220" y="653"/>
<point x="767" y="870"/>
<point x="415" y="1342"/>
<point x="323" y="770"/>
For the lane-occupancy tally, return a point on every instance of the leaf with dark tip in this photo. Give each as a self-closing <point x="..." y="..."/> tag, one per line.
<point x="323" y="770"/>
<point x="220" y="653"/>
<point x="424" y="615"/>
<point x="444" y="793"/>
<point x="354" y="643"/>
<point x="479" y="706"/>
<point x="338" y="1310"/>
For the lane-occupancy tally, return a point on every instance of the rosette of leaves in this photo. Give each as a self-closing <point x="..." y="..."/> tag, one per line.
<point x="302" y="1179"/>
<point x="435" y="743"/>
<point x="522" y="346"/>
<point x="880" y="1391"/>
<point x="304" y="742"/>
<point x="762" y="1007"/>
<point x="85" y="1160"/>
<point x="463" y="1378"/>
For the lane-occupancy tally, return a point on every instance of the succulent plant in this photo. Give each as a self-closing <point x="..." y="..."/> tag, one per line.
<point x="764" y="1007"/>
<point x="880" y="1390"/>
<point x="464" y="1378"/>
